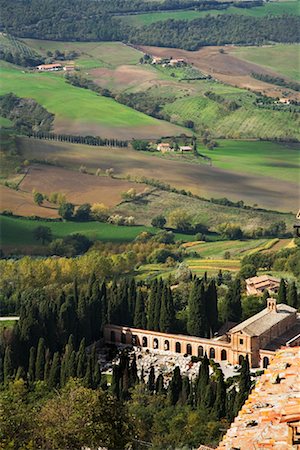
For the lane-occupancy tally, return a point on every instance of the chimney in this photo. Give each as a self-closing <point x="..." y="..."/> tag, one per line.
<point x="271" y="304"/>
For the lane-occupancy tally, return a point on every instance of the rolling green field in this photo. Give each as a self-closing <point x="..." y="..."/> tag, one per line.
<point x="5" y="123"/>
<point x="17" y="232"/>
<point x="78" y="111"/>
<point x="272" y="8"/>
<point x="91" y="54"/>
<point x="246" y="122"/>
<point x="282" y="58"/>
<point x="281" y="161"/>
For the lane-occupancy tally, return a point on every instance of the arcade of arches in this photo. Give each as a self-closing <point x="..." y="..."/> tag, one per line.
<point x="253" y="337"/>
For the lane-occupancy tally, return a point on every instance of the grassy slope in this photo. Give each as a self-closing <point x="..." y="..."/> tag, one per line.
<point x="92" y="54"/>
<point x="19" y="232"/>
<point x="246" y="122"/>
<point x="281" y="161"/>
<point x="273" y="8"/>
<point x="67" y="101"/>
<point x="282" y="58"/>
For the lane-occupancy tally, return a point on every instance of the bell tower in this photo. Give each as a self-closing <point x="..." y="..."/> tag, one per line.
<point x="271" y="304"/>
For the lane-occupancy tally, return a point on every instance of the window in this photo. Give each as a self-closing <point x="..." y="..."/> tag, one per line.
<point x="223" y="355"/>
<point x="212" y="353"/>
<point x="241" y="341"/>
<point x="123" y="338"/>
<point x="145" y="341"/>
<point x="178" y="347"/>
<point x="167" y="345"/>
<point x="200" y="351"/>
<point x="189" y="349"/>
<point x="155" y="343"/>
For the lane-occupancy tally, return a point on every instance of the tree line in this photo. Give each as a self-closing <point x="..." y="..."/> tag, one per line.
<point x="75" y="139"/>
<point x="276" y="80"/>
<point x="66" y="21"/>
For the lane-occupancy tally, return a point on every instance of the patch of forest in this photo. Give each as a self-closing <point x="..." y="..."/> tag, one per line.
<point x="66" y="21"/>
<point x="279" y="81"/>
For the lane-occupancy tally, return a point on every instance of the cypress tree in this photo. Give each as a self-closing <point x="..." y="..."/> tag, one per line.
<point x="186" y="391"/>
<point x="233" y="305"/>
<point x="1" y="370"/>
<point x="244" y="384"/>
<point x="54" y="374"/>
<point x="115" y="382"/>
<point x="133" y="376"/>
<point x="156" y="324"/>
<point x="230" y="404"/>
<point x="88" y="376"/>
<point x="31" y="365"/>
<point x="282" y="294"/>
<point x="209" y="396"/>
<point x="7" y="365"/>
<point x="203" y="380"/>
<point x="220" y="403"/>
<point x="220" y="278"/>
<point x="175" y="386"/>
<point x="292" y="296"/>
<point x="97" y="376"/>
<point x="151" y="305"/>
<point x="139" y="320"/>
<point x="165" y="324"/>
<point x="20" y="375"/>
<point x="132" y="300"/>
<point x="159" y="386"/>
<point x="211" y="303"/>
<point x="40" y="360"/>
<point x="84" y="318"/>
<point x="197" y="322"/>
<point x="72" y="368"/>
<point x="151" y="380"/>
<point x="81" y="360"/>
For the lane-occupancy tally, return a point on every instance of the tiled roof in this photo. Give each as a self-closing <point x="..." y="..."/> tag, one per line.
<point x="271" y="414"/>
<point x="261" y="279"/>
<point x="264" y="320"/>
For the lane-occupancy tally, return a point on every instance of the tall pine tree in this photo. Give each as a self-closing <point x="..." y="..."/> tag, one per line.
<point x="292" y="296"/>
<point x="40" y="360"/>
<point x="282" y="294"/>
<point x="139" y="313"/>
<point x="197" y="321"/>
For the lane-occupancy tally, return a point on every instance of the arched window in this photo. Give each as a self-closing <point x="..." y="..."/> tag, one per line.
<point x="155" y="343"/>
<point x="240" y="359"/>
<point x="212" y="353"/>
<point x="265" y="362"/>
<point x="134" y="340"/>
<point x="189" y="349"/>
<point x="113" y="336"/>
<point x="123" y="338"/>
<point x="200" y="351"/>
<point x="178" y="347"/>
<point x="167" y="345"/>
<point x="223" y="355"/>
<point x="145" y="341"/>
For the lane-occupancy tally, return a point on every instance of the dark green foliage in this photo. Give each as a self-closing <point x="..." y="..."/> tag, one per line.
<point x="244" y="384"/>
<point x="159" y="221"/>
<point x="151" y="380"/>
<point x="220" y="402"/>
<point x="157" y="307"/>
<point x="282" y="293"/>
<point x="233" y="304"/>
<point x="159" y="386"/>
<point x="54" y="375"/>
<point x="83" y="212"/>
<point x="66" y="211"/>
<point x="7" y="366"/>
<point x="151" y="305"/>
<point x="292" y="297"/>
<point x="139" y="320"/>
<point x="276" y="80"/>
<point x="133" y="376"/>
<point x="81" y="360"/>
<point x="197" y="323"/>
<point x="31" y="365"/>
<point x="211" y="302"/>
<point x="40" y="360"/>
<point x="175" y="386"/>
<point x="167" y="312"/>
<point x="43" y="234"/>
<point x="202" y="381"/>
<point x="26" y="114"/>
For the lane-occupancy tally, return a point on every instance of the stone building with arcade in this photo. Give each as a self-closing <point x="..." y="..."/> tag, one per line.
<point x="258" y="337"/>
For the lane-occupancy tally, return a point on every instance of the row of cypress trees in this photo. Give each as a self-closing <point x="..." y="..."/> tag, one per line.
<point x="74" y="139"/>
<point x="210" y="393"/>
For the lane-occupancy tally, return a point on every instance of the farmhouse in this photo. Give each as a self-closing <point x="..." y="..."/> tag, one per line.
<point x="49" y="67"/>
<point x="257" y="285"/>
<point x="163" y="147"/>
<point x="185" y="148"/>
<point x="285" y="101"/>
<point x="156" y="60"/>
<point x="69" y="67"/>
<point x="176" y="62"/>
<point x="258" y="337"/>
<point x="270" y="418"/>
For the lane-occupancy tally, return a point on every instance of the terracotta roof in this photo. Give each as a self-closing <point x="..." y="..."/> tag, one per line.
<point x="264" y="320"/>
<point x="270" y="418"/>
<point x="261" y="279"/>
